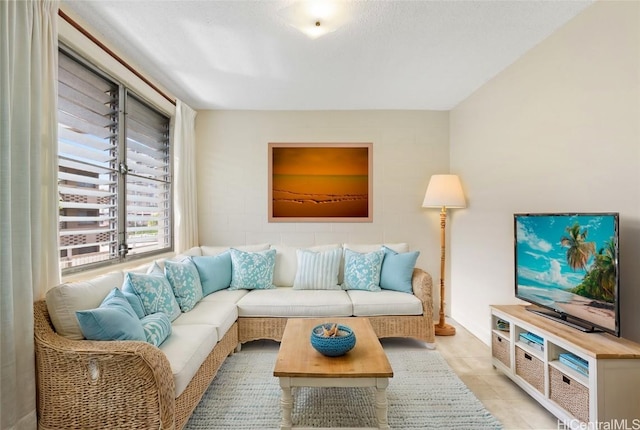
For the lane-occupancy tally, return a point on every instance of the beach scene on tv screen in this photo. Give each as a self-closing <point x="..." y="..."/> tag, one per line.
<point x="568" y="263"/>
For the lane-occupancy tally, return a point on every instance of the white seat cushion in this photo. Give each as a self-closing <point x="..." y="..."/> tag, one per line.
<point x="221" y="315"/>
<point x="64" y="300"/>
<point x="375" y="303"/>
<point x="186" y="349"/>
<point x="227" y="296"/>
<point x="287" y="302"/>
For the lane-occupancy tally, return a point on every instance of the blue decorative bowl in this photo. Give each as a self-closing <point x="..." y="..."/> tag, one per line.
<point x="333" y="346"/>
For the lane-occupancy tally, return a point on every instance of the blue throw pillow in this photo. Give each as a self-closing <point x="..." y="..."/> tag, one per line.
<point x="113" y="320"/>
<point x="185" y="283"/>
<point x="362" y="271"/>
<point x="135" y="302"/>
<point x="252" y="270"/>
<point x="157" y="328"/>
<point x="214" y="271"/>
<point x="154" y="292"/>
<point x="397" y="270"/>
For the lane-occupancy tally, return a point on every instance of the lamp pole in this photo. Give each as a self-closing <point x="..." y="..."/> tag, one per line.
<point x="442" y="328"/>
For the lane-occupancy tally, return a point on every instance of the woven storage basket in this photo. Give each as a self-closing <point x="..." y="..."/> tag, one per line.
<point x="500" y="349"/>
<point x="569" y="393"/>
<point x="530" y="368"/>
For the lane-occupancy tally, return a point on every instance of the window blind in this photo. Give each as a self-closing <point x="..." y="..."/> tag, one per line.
<point x="87" y="156"/>
<point x="114" y="177"/>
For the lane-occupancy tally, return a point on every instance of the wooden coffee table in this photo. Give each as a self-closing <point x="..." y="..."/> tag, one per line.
<point x="299" y="365"/>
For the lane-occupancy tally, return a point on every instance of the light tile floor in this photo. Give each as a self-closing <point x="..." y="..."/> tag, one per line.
<point x="471" y="360"/>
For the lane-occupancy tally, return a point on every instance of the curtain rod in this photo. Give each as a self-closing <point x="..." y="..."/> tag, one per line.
<point x="115" y="56"/>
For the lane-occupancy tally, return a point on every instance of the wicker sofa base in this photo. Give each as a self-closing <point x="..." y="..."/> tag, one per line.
<point x="92" y="385"/>
<point x="417" y="327"/>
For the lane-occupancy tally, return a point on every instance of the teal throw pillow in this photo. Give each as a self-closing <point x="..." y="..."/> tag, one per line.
<point x="214" y="271"/>
<point x="185" y="282"/>
<point x="252" y="270"/>
<point x="157" y="328"/>
<point x="154" y="292"/>
<point x="113" y="320"/>
<point x="317" y="270"/>
<point x="362" y="271"/>
<point x="135" y="302"/>
<point x="397" y="270"/>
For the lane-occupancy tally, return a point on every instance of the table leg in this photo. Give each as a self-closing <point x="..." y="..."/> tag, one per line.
<point x="382" y="405"/>
<point x="286" y="402"/>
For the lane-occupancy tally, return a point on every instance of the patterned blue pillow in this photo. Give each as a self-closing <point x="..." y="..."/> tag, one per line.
<point x="185" y="282"/>
<point x="252" y="270"/>
<point x="155" y="293"/>
<point x="113" y="320"/>
<point x="397" y="270"/>
<point x="317" y="270"/>
<point x="214" y="271"/>
<point x="362" y="271"/>
<point x="157" y="328"/>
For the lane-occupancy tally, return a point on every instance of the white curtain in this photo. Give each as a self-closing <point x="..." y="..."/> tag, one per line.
<point x="184" y="187"/>
<point x="28" y="193"/>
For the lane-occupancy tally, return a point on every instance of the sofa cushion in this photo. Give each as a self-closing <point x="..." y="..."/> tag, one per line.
<point x="185" y="283"/>
<point x="317" y="270"/>
<point x="215" y="250"/>
<point x="364" y="248"/>
<point x="214" y="272"/>
<point x="366" y="303"/>
<point x="221" y="315"/>
<point x="287" y="302"/>
<point x="252" y="270"/>
<point x="284" y="272"/>
<point x="186" y="349"/>
<point x="362" y="271"/>
<point x="397" y="270"/>
<point x="114" y="319"/>
<point x="155" y="293"/>
<point x="65" y="299"/>
<point x="157" y="327"/>
<point x="226" y="296"/>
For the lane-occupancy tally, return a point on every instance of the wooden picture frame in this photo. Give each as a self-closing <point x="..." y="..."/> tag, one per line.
<point x="320" y="182"/>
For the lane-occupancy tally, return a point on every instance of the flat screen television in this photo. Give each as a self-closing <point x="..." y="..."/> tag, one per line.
<point x="566" y="264"/>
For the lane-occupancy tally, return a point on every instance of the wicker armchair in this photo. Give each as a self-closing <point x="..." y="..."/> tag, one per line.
<point x="85" y="384"/>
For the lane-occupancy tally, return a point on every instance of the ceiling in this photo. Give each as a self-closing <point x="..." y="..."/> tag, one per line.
<point x="387" y="54"/>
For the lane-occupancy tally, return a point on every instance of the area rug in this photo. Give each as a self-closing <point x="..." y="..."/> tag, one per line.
<point x="424" y="393"/>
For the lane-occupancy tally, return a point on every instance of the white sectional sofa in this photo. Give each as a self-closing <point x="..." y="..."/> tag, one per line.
<point x="96" y="384"/>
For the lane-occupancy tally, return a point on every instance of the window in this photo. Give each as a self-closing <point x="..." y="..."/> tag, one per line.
<point x="114" y="177"/>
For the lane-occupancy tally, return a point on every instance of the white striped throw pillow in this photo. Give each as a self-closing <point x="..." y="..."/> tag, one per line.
<point x="317" y="270"/>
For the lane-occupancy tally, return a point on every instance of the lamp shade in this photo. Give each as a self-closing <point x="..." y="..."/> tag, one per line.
<point x="444" y="191"/>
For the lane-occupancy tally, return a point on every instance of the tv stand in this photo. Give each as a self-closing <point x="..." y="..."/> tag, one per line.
<point x="564" y="319"/>
<point x="604" y="388"/>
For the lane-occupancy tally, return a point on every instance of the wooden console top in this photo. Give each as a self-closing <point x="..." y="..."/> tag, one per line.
<point x="598" y="345"/>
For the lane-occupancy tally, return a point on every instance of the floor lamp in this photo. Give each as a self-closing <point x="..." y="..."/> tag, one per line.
<point x="444" y="191"/>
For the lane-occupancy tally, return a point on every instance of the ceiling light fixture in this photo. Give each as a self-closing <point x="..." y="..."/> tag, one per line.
<point x="315" y="18"/>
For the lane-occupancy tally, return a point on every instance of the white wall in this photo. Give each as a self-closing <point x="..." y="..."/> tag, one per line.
<point x="556" y="131"/>
<point x="408" y="147"/>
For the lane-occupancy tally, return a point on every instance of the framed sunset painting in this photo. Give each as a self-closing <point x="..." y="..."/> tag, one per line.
<point x="320" y="182"/>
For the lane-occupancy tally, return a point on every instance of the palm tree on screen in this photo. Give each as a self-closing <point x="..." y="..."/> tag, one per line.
<point x="578" y="249"/>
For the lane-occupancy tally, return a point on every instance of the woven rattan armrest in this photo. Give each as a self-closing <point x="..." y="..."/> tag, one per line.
<point x="97" y="385"/>
<point x="422" y="285"/>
